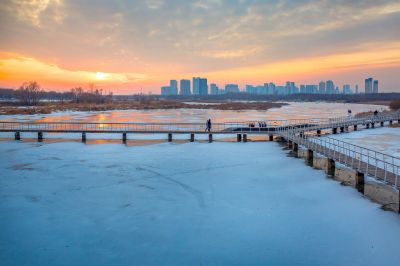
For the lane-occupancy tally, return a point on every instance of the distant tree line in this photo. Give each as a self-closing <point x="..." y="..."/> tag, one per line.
<point x="30" y="93"/>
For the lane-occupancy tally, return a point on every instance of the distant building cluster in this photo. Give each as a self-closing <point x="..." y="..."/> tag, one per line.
<point x="199" y="86"/>
<point x="371" y="86"/>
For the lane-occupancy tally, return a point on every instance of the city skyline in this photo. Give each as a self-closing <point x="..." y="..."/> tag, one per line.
<point x="132" y="47"/>
<point x="199" y="87"/>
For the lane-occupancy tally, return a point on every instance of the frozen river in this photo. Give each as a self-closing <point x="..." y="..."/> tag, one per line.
<point x="182" y="204"/>
<point x="294" y="110"/>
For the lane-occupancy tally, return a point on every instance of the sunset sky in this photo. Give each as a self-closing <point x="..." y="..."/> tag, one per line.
<point x="126" y="46"/>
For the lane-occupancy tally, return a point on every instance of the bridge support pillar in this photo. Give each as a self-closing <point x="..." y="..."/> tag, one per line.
<point x="271" y="137"/>
<point x="239" y="137"/>
<point x="295" y="147"/>
<point x="290" y="144"/>
<point x="124" y="137"/>
<point x="17" y="135"/>
<point x="83" y="137"/>
<point x="244" y="137"/>
<point x="334" y="130"/>
<point x="359" y="184"/>
<point x="310" y="157"/>
<point x="341" y="129"/>
<point x="367" y="126"/>
<point x="373" y="125"/>
<point x="210" y="139"/>
<point x="40" y="136"/>
<point x="355" y="127"/>
<point x="330" y="167"/>
<point x="398" y="121"/>
<point x="382" y="124"/>
<point x="169" y="137"/>
<point x="319" y="133"/>
<point x="391" y="122"/>
<point x="192" y="137"/>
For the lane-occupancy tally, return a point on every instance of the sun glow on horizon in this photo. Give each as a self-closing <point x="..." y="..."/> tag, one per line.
<point x="100" y="75"/>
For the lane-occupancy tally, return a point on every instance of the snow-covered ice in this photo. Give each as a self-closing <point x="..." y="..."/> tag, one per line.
<point x="182" y="204"/>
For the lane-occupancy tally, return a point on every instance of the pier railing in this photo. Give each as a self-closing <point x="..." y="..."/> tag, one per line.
<point x="381" y="166"/>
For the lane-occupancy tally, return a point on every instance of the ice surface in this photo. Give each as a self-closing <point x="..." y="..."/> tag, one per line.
<point x="182" y="204"/>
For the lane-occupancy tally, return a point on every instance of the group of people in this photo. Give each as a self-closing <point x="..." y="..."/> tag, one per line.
<point x="260" y="124"/>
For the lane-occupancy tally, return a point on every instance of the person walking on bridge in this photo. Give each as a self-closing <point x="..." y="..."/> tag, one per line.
<point x="208" y="125"/>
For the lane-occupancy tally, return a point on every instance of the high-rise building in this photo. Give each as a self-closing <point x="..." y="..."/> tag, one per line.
<point x="375" y="87"/>
<point x="356" y="89"/>
<point x="165" y="91"/>
<point x="203" y="87"/>
<point x="250" y="89"/>
<point x="302" y="88"/>
<point x="196" y="86"/>
<point x="290" y="87"/>
<point x="322" y="87"/>
<point x="311" y="89"/>
<point x="347" y="89"/>
<point x="272" y="88"/>
<point x="266" y="88"/>
<point x="184" y="88"/>
<point x="214" y="89"/>
<point x="330" y="87"/>
<point x="173" y="84"/>
<point x="368" y="85"/>
<point x="231" y="88"/>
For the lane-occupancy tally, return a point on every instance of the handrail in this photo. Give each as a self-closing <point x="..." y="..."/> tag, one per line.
<point x="377" y="164"/>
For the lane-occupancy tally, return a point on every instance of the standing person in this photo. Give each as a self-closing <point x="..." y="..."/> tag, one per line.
<point x="376" y="113"/>
<point x="349" y="113"/>
<point x="209" y="125"/>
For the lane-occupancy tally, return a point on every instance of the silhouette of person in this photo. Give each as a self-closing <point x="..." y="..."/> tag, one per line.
<point x="209" y="125"/>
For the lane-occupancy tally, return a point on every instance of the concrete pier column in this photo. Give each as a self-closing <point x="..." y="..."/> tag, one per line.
<point x="295" y="147"/>
<point x="318" y="132"/>
<point x="17" y="135"/>
<point x="359" y="184"/>
<point x="330" y="167"/>
<point x="398" y="121"/>
<point x="341" y="129"/>
<point x="210" y="139"/>
<point x="244" y="137"/>
<point x="169" y="137"/>
<point x="391" y="122"/>
<point x="271" y="137"/>
<point x="192" y="137"/>
<point x="83" y="136"/>
<point x="40" y="136"/>
<point x="310" y="157"/>
<point x="367" y="125"/>
<point x="334" y="130"/>
<point x="355" y="127"/>
<point x="382" y="124"/>
<point x="124" y="137"/>
<point x="290" y="144"/>
<point x="373" y="125"/>
<point x="239" y="138"/>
